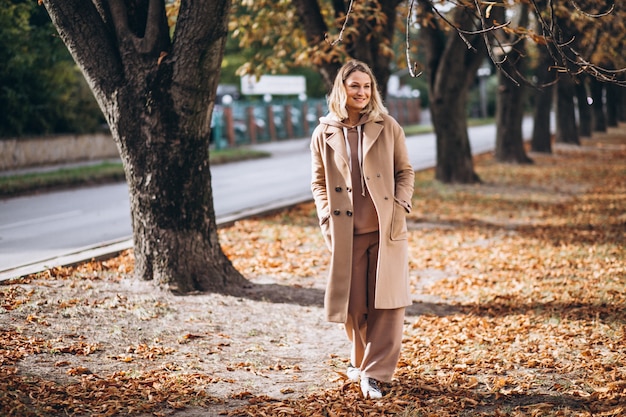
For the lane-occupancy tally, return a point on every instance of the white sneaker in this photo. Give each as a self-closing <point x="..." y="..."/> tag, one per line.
<point x="370" y="388"/>
<point x="353" y="373"/>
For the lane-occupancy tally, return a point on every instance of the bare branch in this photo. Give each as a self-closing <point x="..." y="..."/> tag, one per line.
<point x="608" y="12"/>
<point x="343" y="28"/>
<point x="452" y="25"/>
<point x="411" y="66"/>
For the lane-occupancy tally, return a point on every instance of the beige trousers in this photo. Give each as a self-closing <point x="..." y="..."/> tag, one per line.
<point x="376" y="335"/>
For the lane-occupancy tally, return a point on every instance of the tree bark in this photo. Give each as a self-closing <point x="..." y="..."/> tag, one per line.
<point x="566" y="129"/>
<point x="612" y="104"/>
<point x="451" y="68"/>
<point x="597" y="95"/>
<point x="509" y="115"/>
<point x="541" y="140"/>
<point x="584" y="109"/>
<point x="157" y="97"/>
<point x="510" y="104"/>
<point x="621" y="104"/>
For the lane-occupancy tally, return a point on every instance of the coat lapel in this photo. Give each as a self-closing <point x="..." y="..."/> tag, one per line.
<point x="371" y="132"/>
<point x="336" y="141"/>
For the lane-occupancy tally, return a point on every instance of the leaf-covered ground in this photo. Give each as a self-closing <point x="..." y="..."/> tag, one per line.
<point x="519" y="288"/>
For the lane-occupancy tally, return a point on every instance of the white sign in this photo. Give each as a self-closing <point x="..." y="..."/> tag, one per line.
<point x="273" y="84"/>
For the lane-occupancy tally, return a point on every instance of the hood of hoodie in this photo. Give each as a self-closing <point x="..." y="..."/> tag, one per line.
<point x="333" y="120"/>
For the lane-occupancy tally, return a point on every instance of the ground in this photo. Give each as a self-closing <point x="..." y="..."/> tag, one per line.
<point x="518" y="287"/>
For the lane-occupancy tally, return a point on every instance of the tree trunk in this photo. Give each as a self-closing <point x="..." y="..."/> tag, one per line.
<point x="510" y="105"/>
<point x="597" y="95"/>
<point x="157" y="97"/>
<point x="566" y="129"/>
<point x="312" y="21"/>
<point x="584" y="109"/>
<point x="621" y="104"/>
<point x="612" y="104"/>
<point x="509" y="115"/>
<point x="451" y="68"/>
<point x="364" y="45"/>
<point x="542" y="137"/>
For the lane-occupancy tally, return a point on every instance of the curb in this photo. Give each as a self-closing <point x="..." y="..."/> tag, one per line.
<point x="106" y="250"/>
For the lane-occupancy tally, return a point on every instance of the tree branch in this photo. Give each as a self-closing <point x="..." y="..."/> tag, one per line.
<point x="86" y="36"/>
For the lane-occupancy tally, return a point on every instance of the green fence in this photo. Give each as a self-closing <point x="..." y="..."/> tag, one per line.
<point x="247" y="122"/>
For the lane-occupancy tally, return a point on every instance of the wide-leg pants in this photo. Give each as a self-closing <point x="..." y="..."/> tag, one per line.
<point x="376" y="335"/>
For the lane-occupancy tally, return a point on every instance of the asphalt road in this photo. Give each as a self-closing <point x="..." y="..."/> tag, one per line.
<point x="59" y="228"/>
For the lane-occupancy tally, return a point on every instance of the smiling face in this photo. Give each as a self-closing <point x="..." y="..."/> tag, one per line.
<point x="358" y="91"/>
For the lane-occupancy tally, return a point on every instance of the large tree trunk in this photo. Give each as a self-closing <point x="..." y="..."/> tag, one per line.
<point x="157" y="97"/>
<point x="510" y="104"/>
<point x="451" y="68"/>
<point x="566" y="129"/>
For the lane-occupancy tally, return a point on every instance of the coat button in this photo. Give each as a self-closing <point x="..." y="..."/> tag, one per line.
<point x="349" y="213"/>
<point x="338" y="189"/>
<point x="336" y="212"/>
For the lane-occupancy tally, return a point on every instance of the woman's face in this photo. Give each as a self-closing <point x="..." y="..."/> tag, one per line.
<point x="359" y="90"/>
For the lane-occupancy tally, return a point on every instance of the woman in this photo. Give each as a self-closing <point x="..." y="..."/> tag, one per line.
<point x="362" y="183"/>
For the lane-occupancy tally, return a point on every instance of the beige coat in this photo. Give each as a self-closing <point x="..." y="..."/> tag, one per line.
<point x="389" y="178"/>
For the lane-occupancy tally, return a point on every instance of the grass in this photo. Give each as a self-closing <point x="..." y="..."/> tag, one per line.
<point x="107" y="172"/>
<point x="428" y="128"/>
<point x="100" y="173"/>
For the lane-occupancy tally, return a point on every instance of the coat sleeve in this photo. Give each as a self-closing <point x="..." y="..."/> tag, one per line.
<point x="404" y="175"/>
<point x="318" y="177"/>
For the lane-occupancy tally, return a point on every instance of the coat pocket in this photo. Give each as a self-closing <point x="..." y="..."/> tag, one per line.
<point x="398" y="223"/>
<point x="326" y="232"/>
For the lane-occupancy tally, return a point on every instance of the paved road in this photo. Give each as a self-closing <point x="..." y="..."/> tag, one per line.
<point x="60" y="228"/>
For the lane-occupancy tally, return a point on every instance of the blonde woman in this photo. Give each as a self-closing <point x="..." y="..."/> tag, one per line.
<point x="362" y="183"/>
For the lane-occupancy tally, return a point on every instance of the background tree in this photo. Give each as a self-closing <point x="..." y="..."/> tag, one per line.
<point x="319" y="34"/>
<point x="584" y="109"/>
<point x="42" y="90"/>
<point x="541" y="139"/>
<point x="157" y="93"/>
<point x="451" y="65"/>
<point x="511" y="93"/>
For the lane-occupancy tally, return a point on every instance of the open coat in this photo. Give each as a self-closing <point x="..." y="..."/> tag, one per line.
<point x="389" y="178"/>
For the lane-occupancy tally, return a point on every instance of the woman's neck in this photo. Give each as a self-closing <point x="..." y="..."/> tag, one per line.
<point x="353" y="118"/>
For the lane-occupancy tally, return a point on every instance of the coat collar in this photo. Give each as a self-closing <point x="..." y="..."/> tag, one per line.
<point x="333" y="136"/>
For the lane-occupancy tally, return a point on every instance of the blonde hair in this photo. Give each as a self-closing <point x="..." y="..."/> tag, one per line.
<point x="338" y="97"/>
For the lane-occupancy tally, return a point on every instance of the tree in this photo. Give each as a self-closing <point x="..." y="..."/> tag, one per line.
<point x="42" y="90"/>
<point x="451" y="65"/>
<point x="510" y="97"/>
<point x="584" y="110"/>
<point x="304" y="33"/>
<point x="157" y="94"/>
<point x="597" y="105"/>
<point x="566" y="127"/>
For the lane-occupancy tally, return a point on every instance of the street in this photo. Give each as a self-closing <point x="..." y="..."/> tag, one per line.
<point x="62" y="227"/>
